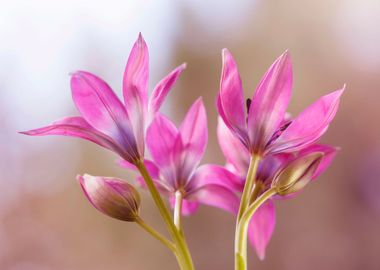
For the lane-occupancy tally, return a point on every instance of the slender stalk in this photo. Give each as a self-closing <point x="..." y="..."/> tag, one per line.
<point x="178" y="211"/>
<point x="156" y="234"/>
<point x="242" y="229"/>
<point x="183" y="253"/>
<point x="256" y="191"/>
<point x="249" y="182"/>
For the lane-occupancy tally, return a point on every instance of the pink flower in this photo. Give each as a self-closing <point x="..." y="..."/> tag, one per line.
<point x="262" y="130"/>
<point x="176" y="154"/>
<point x="111" y="196"/>
<point x="104" y="119"/>
<point x="263" y="221"/>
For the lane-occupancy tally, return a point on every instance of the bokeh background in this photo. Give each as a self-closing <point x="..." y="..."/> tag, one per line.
<point x="45" y="221"/>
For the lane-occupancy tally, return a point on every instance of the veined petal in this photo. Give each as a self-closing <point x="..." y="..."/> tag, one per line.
<point x="216" y="196"/>
<point x="269" y="103"/>
<point x="162" y="89"/>
<point x="193" y="129"/>
<point x="102" y="109"/>
<point x="309" y="125"/>
<point x="329" y="155"/>
<point x="261" y="228"/>
<point x="231" y="105"/>
<point x="135" y="88"/>
<point x="78" y="127"/>
<point x="214" y="174"/>
<point x="234" y="151"/>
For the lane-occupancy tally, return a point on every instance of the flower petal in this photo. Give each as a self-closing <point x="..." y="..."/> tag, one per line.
<point x="234" y="151"/>
<point x="309" y="125"/>
<point x="217" y="196"/>
<point x="102" y="109"/>
<point x="269" y="103"/>
<point x="231" y="105"/>
<point x="261" y="228"/>
<point x="77" y="127"/>
<point x="135" y="88"/>
<point x="162" y="89"/>
<point x="218" y="175"/>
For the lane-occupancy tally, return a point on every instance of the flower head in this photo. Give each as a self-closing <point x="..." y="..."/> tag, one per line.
<point x="111" y="196"/>
<point x="176" y="154"/>
<point x="288" y="172"/>
<point x="105" y="120"/>
<point x="263" y="129"/>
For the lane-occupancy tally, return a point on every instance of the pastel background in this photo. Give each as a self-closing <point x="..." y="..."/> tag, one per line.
<point x="45" y="221"/>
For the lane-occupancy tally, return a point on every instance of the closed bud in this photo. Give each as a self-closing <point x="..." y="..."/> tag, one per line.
<point x="111" y="196"/>
<point x="297" y="174"/>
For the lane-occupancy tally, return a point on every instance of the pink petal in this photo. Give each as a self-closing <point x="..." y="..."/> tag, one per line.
<point x="152" y="169"/>
<point x="269" y="103"/>
<point x="218" y="175"/>
<point x="193" y="129"/>
<point x="135" y="88"/>
<point x="309" y="125"/>
<point x="102" y="109"/>
<point x="261" y="228"/>
<point x="329" y="155"/>
<point x="78" y="127"/>
<point x="216" y="196"/>
<point x="231" y="105"/>
<point x="162" y="89"/>
<point x="234" y="151"/>
<point x="188" y="207"/>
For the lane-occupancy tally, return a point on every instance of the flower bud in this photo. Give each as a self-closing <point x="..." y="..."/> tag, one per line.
<point x="111" y="196"/>
<point x="297" y="174"/>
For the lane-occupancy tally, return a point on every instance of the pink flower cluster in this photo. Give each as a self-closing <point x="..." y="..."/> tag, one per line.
<point x="288" y="149"/>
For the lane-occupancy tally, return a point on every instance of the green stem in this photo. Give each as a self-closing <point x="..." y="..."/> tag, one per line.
<point x="242" y="229"/>
<point x="183" y="253"/>
<point x="156" y="234"/>
<point x="249" y="182"/>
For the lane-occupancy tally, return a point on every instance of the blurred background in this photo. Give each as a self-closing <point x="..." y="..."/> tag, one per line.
<point x="45" y="221"/>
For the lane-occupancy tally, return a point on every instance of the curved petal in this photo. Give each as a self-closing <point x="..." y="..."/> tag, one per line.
<point x="135" y="88"/>
<point x="214" y="174"/>
<point x="309" y="125"/>
<point x="78" y="127"/>
<point x="162" y="89"/>
<point x="230" y="104"/>
<point x="234" y="151"/>
<point x="261" y="228"/>
<point x="102" y="109"/>
<point x="269" y="103"/>
<point x="216" y="196"/>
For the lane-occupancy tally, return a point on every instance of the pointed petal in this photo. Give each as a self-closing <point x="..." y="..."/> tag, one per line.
<point x="309" y="125"/>
<point x="77" y="127"/>
<point x="234" y="151"/>
<point x="230" y="104"/>
<point x="261" y="228"/>
<point x="188" y="207"/>
<point x="218" y="175"/>
<point x="216" y="196"/>
<point x="329" y="155"/>
<point x="111" y="196"/>
<point x="102" y="109"/>
<point x="162" y="89"/>
<point x="135" y="88"/>
<point x="269" y="103"/>
<point x="194" y="129"/>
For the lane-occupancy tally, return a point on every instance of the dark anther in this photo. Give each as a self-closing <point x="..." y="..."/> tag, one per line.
<point x="248" y="103"/>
